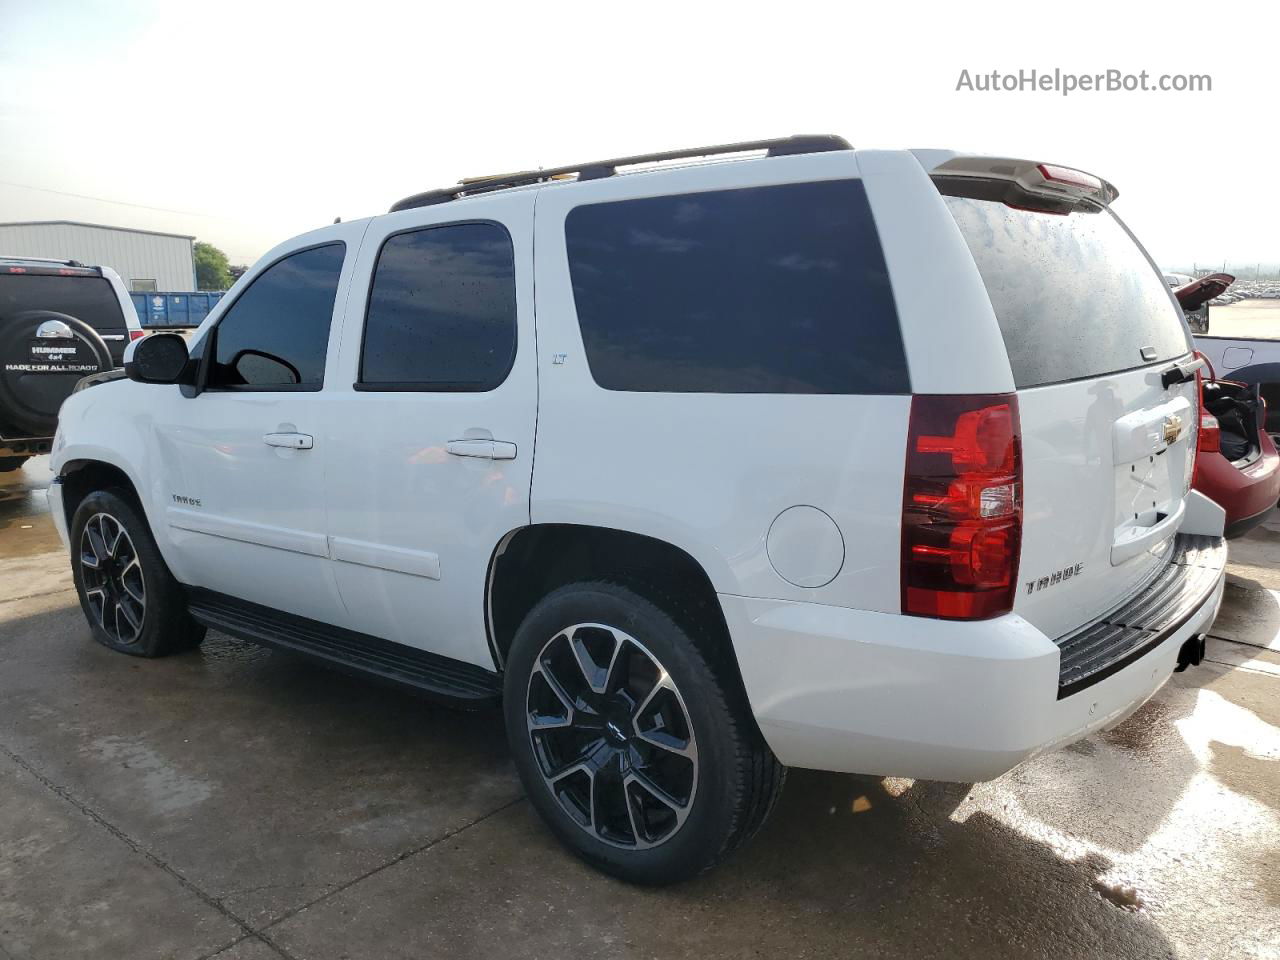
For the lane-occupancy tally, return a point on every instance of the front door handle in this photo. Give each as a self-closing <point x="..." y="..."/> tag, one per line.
<point x="487" y="449"/>
<point x="292" y="441"/>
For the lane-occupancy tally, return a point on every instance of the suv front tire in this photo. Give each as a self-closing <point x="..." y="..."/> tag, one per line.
<point x="131" y="600"/>
<point x="629" y="743"/>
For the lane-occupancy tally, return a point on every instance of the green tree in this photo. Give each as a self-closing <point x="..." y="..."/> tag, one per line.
<point x="212" y="269"/>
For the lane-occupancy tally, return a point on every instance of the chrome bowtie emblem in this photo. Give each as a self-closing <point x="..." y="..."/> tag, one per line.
<point x="1172" y="429"/>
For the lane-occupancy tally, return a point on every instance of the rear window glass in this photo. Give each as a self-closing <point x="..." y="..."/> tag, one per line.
<point x="1073" y="293"/>
<point x="90" y="299"/>
<point x="778" y="289"/>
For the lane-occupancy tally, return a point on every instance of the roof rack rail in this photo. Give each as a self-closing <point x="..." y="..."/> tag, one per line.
<point x="598" y="169"/>
<point x="19" y="258"/>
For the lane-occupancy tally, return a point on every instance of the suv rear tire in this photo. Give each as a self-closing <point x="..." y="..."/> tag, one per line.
<point x="636" y="752"/>
<point x="131" y="600"/>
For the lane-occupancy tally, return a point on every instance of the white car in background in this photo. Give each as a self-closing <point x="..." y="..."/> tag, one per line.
<point x="812" y="458"/>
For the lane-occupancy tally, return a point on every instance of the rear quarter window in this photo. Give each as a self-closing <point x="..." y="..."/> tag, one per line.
<point x="1073" y="292"/>
<point x="90" y="299"/>
<point x="778" y="289"/>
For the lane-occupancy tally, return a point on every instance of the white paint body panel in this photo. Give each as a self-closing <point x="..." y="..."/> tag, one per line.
<point x="414" y="526"/>
<point x="657" y="463"/>
<point x="379" y="527"/>
<point x="952" y="340"/>
<point x="259" y="531"/>
<point x="863" y="692"/>
<point x="122" y="297"/>
<point x="1203" y="516"/>
<point x="1084" y="479"/>
<point x="805" y="546"/>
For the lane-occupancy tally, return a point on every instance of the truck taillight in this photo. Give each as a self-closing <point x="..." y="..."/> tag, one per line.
<point x="962" y="507"/>
<point x="137" y="334"/>
<point x="1210" y="434"/>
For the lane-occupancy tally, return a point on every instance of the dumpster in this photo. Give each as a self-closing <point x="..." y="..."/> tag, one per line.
<point x="174" y="309"/>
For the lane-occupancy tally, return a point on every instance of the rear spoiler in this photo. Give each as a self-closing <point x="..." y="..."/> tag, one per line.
<point x="1194" y="295"/>
<point x="1044" y="179"/>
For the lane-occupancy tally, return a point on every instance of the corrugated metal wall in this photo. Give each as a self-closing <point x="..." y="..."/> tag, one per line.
<point x="132" y="254"/>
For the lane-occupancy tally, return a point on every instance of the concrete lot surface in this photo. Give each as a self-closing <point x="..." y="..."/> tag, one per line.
<point x="239" y="803"/>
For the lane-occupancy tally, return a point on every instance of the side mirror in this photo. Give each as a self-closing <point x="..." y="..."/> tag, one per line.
<point x="156" y="358"/>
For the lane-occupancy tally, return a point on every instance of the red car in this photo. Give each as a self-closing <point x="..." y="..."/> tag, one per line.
<point x="1237" y="465"/>
<point x="1195" y="296"/>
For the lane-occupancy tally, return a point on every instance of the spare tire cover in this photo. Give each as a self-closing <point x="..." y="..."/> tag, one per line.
<point x="38" y="372"/>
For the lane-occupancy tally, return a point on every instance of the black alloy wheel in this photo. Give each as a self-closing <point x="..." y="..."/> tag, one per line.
<point x="114" y="585"/>
<point x="612" y="736"/>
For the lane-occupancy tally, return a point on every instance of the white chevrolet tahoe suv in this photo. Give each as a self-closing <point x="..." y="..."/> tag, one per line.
<point x="868" y="461"/>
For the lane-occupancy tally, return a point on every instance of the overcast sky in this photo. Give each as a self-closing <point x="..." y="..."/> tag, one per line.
<point x="255" y="121"/>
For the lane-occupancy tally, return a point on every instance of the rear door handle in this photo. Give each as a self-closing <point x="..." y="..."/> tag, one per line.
<point x="292" y="441"/>
<point x="486" y="449"/>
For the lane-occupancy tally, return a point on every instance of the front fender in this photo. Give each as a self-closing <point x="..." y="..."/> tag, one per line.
<point x="108" y="424"/>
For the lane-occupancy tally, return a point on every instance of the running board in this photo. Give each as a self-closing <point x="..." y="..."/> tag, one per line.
<point x="462" y="683"/>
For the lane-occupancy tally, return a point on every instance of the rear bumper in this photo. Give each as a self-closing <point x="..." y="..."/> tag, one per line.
<point x="1238" y="528"/>
<point x="863" y="692"/>
<point x="1246" y="495"/>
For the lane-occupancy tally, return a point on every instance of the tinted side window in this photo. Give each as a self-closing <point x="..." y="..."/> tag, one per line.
<point x="91" y="299"/>
<point x="442" y="310"/>
<point x="276" y="334"/>
<point x="779" y="289"/>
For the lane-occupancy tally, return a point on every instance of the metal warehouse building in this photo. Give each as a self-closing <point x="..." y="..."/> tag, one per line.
<point x="145" y="259"/>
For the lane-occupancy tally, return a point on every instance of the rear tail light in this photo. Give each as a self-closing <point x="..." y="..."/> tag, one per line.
<point x="137" y="334"/>
<point x="962" y="507"/>
<point x="1210" y="435"/>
